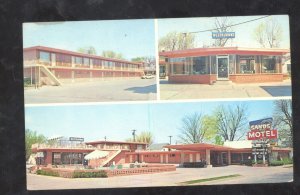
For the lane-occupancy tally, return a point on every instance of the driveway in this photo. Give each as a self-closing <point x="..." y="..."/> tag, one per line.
<point x="95" y="91"/>
<point x="174" y="178"/>
<point x="172" y="91"/>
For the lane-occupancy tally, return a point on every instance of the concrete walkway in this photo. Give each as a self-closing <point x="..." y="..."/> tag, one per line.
<point x="172" y="91"/>
<point x="95" y="91"/>
<point x="174" y="178"/>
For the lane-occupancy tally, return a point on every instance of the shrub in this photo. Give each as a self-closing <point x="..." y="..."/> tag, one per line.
<point x="100" y="173"/>
<point x="287" y="161"/>
<point x="47" y="173"/>
<point x="276" y="163"/>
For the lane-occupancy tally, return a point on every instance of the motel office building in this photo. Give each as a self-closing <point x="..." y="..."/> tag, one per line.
<point x="208" y="65"/>
<point x="45" y="65"/>
<point x="116" y="152"/>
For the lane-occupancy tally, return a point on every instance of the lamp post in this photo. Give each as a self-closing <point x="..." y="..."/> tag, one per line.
<point x="133" y="134"/>
<point x="170" y="136"/>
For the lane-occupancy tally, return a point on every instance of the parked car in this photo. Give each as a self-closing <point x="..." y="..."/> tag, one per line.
<point x="148" y="76"/>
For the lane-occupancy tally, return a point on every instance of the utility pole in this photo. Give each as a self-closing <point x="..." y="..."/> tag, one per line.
<point x="133" y="134"/>
<point x="170" y="136"/>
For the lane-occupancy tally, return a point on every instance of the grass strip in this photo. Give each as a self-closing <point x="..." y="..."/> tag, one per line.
<point x="210" y="179"/>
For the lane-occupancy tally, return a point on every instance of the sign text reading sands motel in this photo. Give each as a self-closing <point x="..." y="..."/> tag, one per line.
<point x="260" y="129"/>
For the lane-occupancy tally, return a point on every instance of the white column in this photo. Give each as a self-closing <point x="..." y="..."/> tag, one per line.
<point x="161" y="158"/>
<point x="167" y="158"/>
<point x="198" y="157"/>
<point x="191" y="157"/>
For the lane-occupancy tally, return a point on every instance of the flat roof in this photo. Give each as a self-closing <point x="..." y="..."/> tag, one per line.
<point x="199" y="146"/>
<point x="224" y="51"/>
<point x="50" y="49"/>
<point x="115" y="142"/>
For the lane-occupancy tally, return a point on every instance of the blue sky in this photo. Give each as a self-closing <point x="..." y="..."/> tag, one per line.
<point x="243" y="33"/>
<point x="132" y="38"/>
<point x="115" y="121"/>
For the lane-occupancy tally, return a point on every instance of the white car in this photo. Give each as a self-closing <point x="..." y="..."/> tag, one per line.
<point x="148" y="76"/>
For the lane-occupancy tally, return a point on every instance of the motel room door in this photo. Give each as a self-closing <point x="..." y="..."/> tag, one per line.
<point x="222" y="67"/>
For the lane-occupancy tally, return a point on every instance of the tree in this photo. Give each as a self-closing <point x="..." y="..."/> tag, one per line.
<point x="231" y="122"/>
<point x="144" y="137"/>
<point x="222" y="25"/>
<point x="176" y="41"/>
<point x="31" y="137"/>
<point x="148" y="61"/>
<point x="196" y="128"/>
<point x="87" y="50"/>
<point x="112" y="54"/>
<point x="283" y="120"/>
<point x="268" y="33"/>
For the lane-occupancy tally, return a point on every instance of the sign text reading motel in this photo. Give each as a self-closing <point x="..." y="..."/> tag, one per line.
<point x="256" y="134"/>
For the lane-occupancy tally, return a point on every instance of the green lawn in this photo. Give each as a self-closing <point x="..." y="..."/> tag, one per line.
<point x="209" y="179"/>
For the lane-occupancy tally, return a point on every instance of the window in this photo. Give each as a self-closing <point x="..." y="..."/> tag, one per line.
<point x="200" y="65"/>
<point x="246" y="64"/>
<point x="86" y="61"/>
<point x="71" y="158"/>
<point x="44" y="56"/>
<point x="269" y="64"/>
<point x="56" y="158"/>
<point x="178" y="66"/>
<point x="172" y="155"/>
<point x="78" y="60"/>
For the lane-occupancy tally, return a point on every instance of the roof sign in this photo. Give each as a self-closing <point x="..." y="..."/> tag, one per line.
<point x="221" y="35"/>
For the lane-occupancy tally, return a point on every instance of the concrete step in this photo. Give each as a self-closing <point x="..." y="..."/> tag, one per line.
<point x="222" y="82"/>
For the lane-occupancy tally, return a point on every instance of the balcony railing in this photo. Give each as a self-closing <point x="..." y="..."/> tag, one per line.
<point x="79" y="66"/>
<point x="62" y="146"/>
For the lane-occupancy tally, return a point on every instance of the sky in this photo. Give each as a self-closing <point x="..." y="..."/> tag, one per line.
<point x="243" y="33"/>
<point x="132" y="38"/>
<point x="115" y="121"/>
<point x="136" y="38"/>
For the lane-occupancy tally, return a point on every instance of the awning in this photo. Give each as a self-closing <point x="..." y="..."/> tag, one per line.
<point x="96" y="155"/>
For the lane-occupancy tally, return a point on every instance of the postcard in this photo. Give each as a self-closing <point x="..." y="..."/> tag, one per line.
<point x="158" y="102"/>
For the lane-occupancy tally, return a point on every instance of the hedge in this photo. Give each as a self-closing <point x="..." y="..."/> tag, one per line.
<point x="48" y="173"/>
<point x="276" y="163"/>
<point x="100" y="173"/>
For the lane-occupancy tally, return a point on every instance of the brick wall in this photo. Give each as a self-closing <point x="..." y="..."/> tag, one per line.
<point x="256" y="78"/>
<point x="197" y="79"/>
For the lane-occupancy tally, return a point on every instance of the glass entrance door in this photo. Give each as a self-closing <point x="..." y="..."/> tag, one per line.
<point x="222" y="63"/>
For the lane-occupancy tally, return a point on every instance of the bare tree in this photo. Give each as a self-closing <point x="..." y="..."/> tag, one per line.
<point x="176" y="41"/>
<point x="231" y="122"/>
<point x="283" y="120"/>
<point x="192" y="130"/>
<point x="222" y="25"/>
<point x="268" y="33"/>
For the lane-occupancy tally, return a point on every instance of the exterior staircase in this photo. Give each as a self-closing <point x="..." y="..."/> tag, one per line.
<point x="110" y="158"/>
<point x="49" y="74"/>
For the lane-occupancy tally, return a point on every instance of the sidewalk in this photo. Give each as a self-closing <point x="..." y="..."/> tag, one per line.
<point x="169" y="91"/>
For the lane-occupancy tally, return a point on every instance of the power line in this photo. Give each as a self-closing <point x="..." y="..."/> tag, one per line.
<point x="228" y="25"/>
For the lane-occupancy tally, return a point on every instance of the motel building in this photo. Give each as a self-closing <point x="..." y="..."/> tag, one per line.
<point x="70" y="152"/>
<point x="235" y="64"/>
<point x="50" y="66"/>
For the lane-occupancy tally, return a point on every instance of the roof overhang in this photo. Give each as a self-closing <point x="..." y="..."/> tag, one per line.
<point x="224" y="51"/>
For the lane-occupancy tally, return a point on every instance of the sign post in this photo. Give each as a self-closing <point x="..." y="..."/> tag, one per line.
<point x="261" y="132"/>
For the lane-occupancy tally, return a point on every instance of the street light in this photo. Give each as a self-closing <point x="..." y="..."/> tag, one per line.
<point x="170" y="136"/>
<point x="133" y="134"/>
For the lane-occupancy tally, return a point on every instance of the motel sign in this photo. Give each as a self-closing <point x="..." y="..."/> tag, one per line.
<point x="256" y="134"/>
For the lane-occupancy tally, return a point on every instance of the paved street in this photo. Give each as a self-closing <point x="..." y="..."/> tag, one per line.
<point x="248" y="175"/>
<point x="171" y="91"/>
<point x="95" y="91"/>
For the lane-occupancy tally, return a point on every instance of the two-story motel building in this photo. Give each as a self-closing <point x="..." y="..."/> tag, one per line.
<point x="45" y="65"/>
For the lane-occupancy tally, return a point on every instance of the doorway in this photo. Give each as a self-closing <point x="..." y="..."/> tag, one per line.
<point x="222" y="67"/>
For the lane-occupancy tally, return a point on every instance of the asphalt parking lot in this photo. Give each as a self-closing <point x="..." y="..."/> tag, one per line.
<point x="172" y="91"/>
<point x="174" y="178"/>
<point x="95" y="91"/>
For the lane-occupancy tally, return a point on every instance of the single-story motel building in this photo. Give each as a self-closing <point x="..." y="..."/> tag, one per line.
<point x="236" y="64"/>
<point x="51" y="66"/>
<point x="106" y="153"/>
